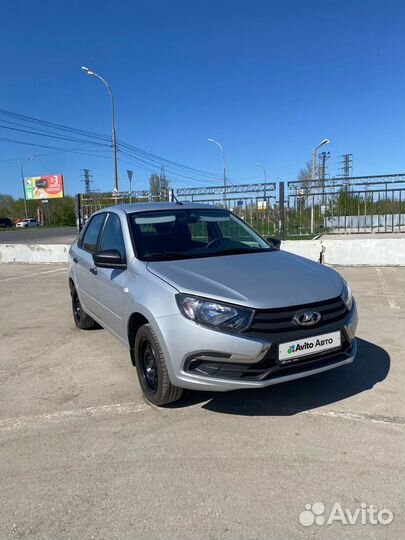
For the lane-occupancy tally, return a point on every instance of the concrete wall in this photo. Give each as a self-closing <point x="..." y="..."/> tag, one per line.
<point x="346" y="252"/>
<point x="365" y="252"/>
<point x="310" y="249"/>
<point x="33" y="253"/>
<point x="351" y="251"/>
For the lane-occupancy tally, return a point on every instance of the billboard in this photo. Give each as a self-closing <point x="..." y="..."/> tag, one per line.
<point x="43" y="187"/>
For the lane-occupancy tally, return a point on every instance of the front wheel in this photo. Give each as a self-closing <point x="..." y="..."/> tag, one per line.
<point x="152" y="370"/>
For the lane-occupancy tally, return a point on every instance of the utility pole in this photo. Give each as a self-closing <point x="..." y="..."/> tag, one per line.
<point x="323" y="156"/>
<point x="163" y="185"/>
<point x="345" y="165"/>
<point x="265" y="184"/>
<point x="87" y="179"/>
<point x="29" y="158"/>
<point x="325" y="141"/>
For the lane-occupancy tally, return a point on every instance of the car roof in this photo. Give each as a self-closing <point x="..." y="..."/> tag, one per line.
<point x="153" y="206"/>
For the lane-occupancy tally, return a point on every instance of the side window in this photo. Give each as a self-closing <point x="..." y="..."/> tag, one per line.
<point x="112" y="237"/>
<point x="89" y="242"/>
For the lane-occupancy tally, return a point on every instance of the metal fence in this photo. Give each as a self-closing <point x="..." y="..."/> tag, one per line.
<point x="88" y="203"/>
<point x="254" y="203"/>
<point x="362" y="204"/>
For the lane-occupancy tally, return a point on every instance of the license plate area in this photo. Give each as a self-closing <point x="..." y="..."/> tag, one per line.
<point x="294" y="350"/>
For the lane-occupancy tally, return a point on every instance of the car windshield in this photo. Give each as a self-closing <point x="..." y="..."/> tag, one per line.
<point x="192" y="233"/>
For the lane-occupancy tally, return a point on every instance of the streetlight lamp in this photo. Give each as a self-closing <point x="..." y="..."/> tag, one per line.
<point x="322" y="143"/>
<point x="213" y="141"/>
<point x="29" y="158"/>
<point x="114" y="135"/>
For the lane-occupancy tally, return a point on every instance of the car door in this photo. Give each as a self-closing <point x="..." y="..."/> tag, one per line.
<point x="83" y="258"/>
<point x="108" y="284"/>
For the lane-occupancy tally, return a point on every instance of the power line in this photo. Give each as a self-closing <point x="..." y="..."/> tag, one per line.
<point x="75" y="151"/>
<point x="53" y="125"/>
<point x="53" y="136"/>
<point x="153" y="160"/>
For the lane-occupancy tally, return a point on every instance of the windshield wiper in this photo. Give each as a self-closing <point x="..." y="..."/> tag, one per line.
<point x="236" y="251"/>
<point x="165" y="254"/>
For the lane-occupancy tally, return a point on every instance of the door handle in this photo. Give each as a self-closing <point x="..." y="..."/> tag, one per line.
<point x="75" y="260"/>
<point x="93" y="271"/>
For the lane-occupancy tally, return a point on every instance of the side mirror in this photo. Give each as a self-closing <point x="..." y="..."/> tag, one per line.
<point x="109" y="258"/>
<point x="275" y="242"/>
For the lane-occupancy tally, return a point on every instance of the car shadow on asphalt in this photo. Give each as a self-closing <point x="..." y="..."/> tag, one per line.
<point x="370" y="367"/>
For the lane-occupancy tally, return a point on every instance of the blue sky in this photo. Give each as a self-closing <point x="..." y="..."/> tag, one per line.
<point x="269" y="79"/>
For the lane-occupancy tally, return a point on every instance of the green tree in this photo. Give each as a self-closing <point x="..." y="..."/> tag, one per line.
<point x="61" y="211"/>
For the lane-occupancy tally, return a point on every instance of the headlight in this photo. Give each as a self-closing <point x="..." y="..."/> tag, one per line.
<point x="216" y="314"/>
<point x="347" y="296"/>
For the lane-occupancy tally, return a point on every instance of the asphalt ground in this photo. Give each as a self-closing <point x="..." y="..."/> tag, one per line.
<point x="83" y="456"/>
<point x="38" y="235"/>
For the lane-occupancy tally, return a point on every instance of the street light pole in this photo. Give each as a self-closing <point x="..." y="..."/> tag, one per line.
<point x="114" y="133"/>
<point x="325" y="141"/>
<point x="29" y="158"/>
<point x="213" y="141"/>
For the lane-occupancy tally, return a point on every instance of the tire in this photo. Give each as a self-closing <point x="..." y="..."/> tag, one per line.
<point x="82" y="320"/>
<point x="152" y="370"/>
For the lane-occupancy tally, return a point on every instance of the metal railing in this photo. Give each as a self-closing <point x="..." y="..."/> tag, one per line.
<point x="365" y="204"/>
<point x="362" y="204"/>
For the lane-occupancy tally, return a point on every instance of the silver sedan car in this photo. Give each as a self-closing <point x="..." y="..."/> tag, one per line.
<point x="203" y="302"/>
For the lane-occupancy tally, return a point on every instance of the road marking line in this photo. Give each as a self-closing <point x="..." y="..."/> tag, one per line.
<point x="389" y="296"/>
<point x="32" y="275"/>
<point x="14" y="424"/>
<point x="9" y="424"/>
<point x="376" y="418"/>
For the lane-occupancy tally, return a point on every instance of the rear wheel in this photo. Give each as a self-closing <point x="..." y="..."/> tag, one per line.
<point x="152" y="370"/>
<point x="82" y="320"/>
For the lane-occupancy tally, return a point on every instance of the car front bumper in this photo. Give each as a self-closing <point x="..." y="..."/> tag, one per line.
<point x="205" y="359"/>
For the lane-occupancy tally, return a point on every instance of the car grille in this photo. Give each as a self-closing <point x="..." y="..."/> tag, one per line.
<point x="268" y="368"/>
<point x="281" y="319"/>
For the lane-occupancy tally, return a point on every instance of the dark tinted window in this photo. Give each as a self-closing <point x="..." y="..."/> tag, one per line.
<point x="186" y="233"/>
<point x="112" y="237"/>
<point x="91" y="234"/>
<point x="232" y="229"/>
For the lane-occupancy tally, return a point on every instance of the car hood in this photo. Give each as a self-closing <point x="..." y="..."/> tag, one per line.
<point x="259" y="280"/>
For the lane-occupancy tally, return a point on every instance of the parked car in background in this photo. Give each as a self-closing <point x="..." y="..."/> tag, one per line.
<point x="203" y="302"/>
<point x="6" y="223"/>
<point x="29" y="222"/>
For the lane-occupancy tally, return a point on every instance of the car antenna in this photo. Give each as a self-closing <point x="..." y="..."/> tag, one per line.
<point x="175" y="199"/>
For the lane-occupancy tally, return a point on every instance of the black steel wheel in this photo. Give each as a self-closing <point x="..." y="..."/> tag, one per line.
<point x="152" y="370"/>
<point x="149" y="366"/>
